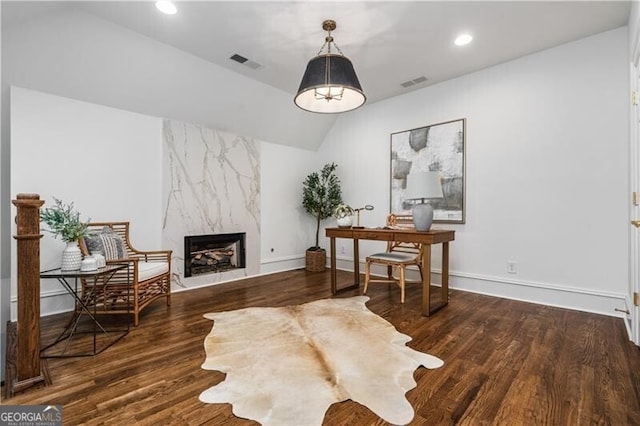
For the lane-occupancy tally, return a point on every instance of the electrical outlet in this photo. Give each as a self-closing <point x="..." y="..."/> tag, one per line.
<point x="341" y="249"/>
<point x="512" y="267"/>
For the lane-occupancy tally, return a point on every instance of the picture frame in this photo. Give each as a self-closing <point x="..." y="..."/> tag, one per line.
<point x="437" y="147"/>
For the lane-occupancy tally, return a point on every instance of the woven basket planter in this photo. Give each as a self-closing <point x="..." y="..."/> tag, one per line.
<point x="316" y="260"/>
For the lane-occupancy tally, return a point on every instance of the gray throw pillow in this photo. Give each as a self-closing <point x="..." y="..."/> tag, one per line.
<point x="106" y="242"/>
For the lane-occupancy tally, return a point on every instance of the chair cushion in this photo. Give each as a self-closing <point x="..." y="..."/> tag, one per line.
<point x="147" y="270"/>
<point x="107" y="243"/>
<point x="393" y="256"/>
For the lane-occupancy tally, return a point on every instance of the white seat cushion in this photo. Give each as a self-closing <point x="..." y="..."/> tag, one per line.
<point x="394" y="256"/>
<point x="147" y="270"/>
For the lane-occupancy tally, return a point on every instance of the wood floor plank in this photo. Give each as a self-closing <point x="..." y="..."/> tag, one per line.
<point x="506" y="362"/>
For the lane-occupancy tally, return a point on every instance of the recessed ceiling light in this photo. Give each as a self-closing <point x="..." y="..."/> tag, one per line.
<point x="463" y="39"/>
<point x="166" y="7"/>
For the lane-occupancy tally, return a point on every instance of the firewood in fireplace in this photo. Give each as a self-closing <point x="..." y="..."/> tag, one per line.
<point x="211" y="257"/>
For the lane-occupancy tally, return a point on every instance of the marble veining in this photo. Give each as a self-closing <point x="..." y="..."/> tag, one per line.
<point x="212" y="186"/>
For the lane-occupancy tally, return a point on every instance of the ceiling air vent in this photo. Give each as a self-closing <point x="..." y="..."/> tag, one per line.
<point x="239" y="59"/>
<point x="410" y="83"/>
<point x="244" y="61"/>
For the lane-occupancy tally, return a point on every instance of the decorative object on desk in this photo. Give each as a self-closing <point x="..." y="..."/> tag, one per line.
<point x="101" y="262"/>
<point x="368" y="358"/>
<point x="89" y="263"/>
<point x="423" y="186"/>
<point x="65" y="222"/>
<point x="71" y="257"/>
<point x="344" y="215"/>
<point x="367" y="207"/>
<point x="321" y="194"/>
<point x="438" y="147"/>
<point x="329" y="84"/>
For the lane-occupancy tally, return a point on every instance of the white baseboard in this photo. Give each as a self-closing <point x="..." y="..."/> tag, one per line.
<point x="51" y="302"/>
<point x="628" y="318"/>
<point x="281" y="264"/>
<point x="557" y="295"/>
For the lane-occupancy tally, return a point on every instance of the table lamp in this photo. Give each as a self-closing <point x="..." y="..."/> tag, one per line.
<point x="367" y="207"/>
<point x="423" y="186"/>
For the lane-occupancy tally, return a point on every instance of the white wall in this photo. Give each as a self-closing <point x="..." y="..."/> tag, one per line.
<point x="106" y="161"/>
<point x="547" y="171"/>
<point x="287" y="230"/>
<point x="109" y="162"/>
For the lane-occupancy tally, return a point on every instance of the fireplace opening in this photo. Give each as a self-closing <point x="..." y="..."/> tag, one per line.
<point x="204" y="254"/>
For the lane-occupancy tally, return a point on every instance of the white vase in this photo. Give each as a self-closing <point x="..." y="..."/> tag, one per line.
<point x="345" y="222"/>
<point x="71" y="257"/>
<point x="422" y="216"/>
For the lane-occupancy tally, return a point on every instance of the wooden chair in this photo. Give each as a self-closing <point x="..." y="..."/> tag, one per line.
<point x="396" y="258"/>
<point x="146" y="278"/>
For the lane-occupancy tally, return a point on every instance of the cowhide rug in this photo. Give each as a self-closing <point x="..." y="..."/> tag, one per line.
<point x="286" y="366"/>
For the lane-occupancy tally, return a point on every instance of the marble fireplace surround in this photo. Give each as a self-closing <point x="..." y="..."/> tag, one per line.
<point x="211" y="186"/>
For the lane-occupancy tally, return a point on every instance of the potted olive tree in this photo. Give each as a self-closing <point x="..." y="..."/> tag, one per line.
<point x="64" y="221"/>
<point x="321" y="194"/>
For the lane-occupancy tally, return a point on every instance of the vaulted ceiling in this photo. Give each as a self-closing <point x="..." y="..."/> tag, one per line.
<point x="61" y="47"/>
<point x="390" y="43"/>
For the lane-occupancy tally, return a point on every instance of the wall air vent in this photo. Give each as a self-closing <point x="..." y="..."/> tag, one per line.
<point x="410" y="83"/>
<point x="244" y="61"/>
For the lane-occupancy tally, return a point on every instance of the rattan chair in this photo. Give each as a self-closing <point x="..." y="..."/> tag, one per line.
<point x="396" y="258"/>
<point x="146" y="278"/>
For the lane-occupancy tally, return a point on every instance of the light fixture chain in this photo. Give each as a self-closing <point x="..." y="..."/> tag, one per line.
<point x="322" y="48"/>
<point x="328" y="44"/>
<point x="337" y="48"/>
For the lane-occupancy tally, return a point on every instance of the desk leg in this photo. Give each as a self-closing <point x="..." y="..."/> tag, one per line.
<point x="445" y="273"/>
<point x="334" y="288"/>
<point x="427" y="309"/>
<point x="426" y="280"/>
<point x="356" y="262"/>
<point x="356" y="267"/>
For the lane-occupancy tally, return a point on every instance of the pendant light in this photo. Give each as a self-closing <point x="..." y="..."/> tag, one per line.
<point x="329" y="84"/>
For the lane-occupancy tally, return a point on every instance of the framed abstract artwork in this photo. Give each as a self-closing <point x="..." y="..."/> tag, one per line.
<point x="437" y="147"/>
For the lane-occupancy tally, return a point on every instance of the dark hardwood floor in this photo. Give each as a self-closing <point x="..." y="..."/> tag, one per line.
<point x="506" y="362"/>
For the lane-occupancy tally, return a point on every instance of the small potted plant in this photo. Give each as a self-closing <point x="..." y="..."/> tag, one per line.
<point x="321" y="194"/>
<point x="64" y="221"/>
<point x="344" y="215"/>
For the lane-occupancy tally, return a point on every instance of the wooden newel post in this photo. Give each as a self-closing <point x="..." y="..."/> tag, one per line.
<point x="28" y="367"/>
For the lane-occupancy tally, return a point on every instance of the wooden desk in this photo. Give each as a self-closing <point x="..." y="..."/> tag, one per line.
<point x="434" y="236"/>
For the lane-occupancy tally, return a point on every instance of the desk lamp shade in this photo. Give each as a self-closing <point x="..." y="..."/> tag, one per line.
<point x="423" y="186"/>
<point x="329" y="84"/>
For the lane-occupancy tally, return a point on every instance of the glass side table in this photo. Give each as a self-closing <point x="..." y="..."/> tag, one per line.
<point x="85" y="305"/>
